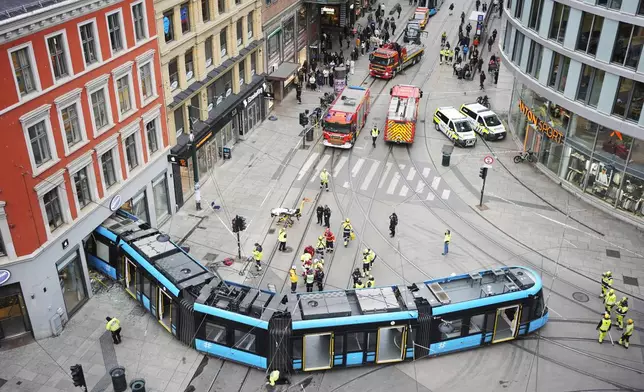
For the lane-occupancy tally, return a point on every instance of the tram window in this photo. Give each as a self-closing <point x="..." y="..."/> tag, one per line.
<point x="489" y="322"/>
<point x="297" y="348"/>
<point x="450" y="328"/>
<point x="215" y="333"/>
<point x="372" y="340"/>
<point x="145" y="285"/>
<point x="244" y="341"/>
<point x="525" y="314"/>
<point x="476" y="323"/>
<point x="338" y="344"/>
<point x="355" y="340"/>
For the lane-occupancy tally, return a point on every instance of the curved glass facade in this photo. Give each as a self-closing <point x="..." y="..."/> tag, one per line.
<point x="578" y="94"/>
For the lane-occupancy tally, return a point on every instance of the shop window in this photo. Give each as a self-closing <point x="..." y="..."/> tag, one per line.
<point x="189" y="63"/>
<point x="583" y="134"/>
<point x="589" y="31"/>
<point x="355" y="341"/>
<point x="550" y="154"/>
<point x="578" y="165"/>
<point x="221" y="6"/>
<point x="558" y="72"/>
<point x="535" y="14"/>
<point x="161" y="198"/>
<point x="604" y="180"/>
<point x="208" y="51"/>
<point x="476" y="323"/>
<point x="215" y="333"/>
<point x="517" y="51"/>
<point x="168" y="26"/>
<point x="72" y="282"/>
<point x="450" y="328"/>
<point x="508" y="34"/>
<point x="223" y="42"/>
<point x="534" y="59"/>
<point x="185" y="17"/>
<point x="518" y="11"/>
<point x="628" y="45"/>
<point x="612" y="146"/>
<point x="240" y="32"/>
<point x="249" y="22"/>
<point x="590" y="85"/>
<point x="301" y="20"/>
<point x="138" y="206"/>
<point x="631" y="196"/>
<point x="245" y="341"/>
<point x="628" y="102"/>
<point x="612" y="4"/>
<point x="205" y="10"/>
<point x="178" y="121"/>
<point x="559" y="22"/>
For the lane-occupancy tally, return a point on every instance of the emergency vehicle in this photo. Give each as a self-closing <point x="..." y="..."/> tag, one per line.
<point x="455" y="126"/>
<point x="400" y="126"/>
<point x="485" y="122"/>
<point x="421" y="15"/>
<point x="346" y="116"/>
<point x="391" y="58"/>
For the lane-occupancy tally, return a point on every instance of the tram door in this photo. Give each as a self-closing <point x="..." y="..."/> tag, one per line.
<point x="391" y="344"/>
<point x="165" y="309"/>
<point x="130" y="277"/>
<point x="318" y="351"/>
<point x="506" y="324"/>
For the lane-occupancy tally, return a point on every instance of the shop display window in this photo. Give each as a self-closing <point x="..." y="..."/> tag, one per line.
<point x="604" y="181"/>
<point x="578" y="165"/>
<point x="550" y="154"/>
<point x="613" y="146"/>
<point x="582" y="133"/>
<point x="631" y="196"/>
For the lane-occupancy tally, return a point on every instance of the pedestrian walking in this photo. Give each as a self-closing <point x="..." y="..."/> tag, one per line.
<point x="490" y="41"/>
<point x="496" y="76"/>
<point x="327" y="216"/>
<point x="310" y="279"/>
<point x="468" y="28"/>
<point x="114" y="326"/>
<point x="451" y="8"/>
<point x="494" y="35"/>
<point x="298" y="93"/>
<point x="393" y="222"/>
<point x="320" y="213"/>
<point x="626" y="336"/>
<point x="484" y="7"/>
<point x="477" y="4"/>
<point x="369" y="254"/>
<point x="620" y="312"/>
<point x="292" y="275"/>
<point x="479" y="64"/>
<point x="462" y="18"/>
<point x="603" y="327"/>
<point x="393" y="26"/>
<point x="607" y="283"/>
<point x="281" y="237"/>
<point x="441" y="53"/>
<point x="482" y="79"/>
<point x="446" y="241"/>
<point x="312" y="82"/>
<point x="500" y="8"/>
<point x="324" y="179"/>
<point x="330" y="239"/>
<point x="466" y="51"/>
<point x="374" y="135"/>
<point x="258" y="255"/>
<point x="399" y="11"/>
<point x="610" y="301"/>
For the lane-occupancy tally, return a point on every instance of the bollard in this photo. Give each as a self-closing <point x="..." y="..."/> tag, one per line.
<point x="138" y="385"/>
<point x="118" y="379"/>
<point x="447" y="154"/>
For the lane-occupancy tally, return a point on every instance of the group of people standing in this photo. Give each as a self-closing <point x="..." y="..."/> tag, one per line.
<point x="621" y="308"/>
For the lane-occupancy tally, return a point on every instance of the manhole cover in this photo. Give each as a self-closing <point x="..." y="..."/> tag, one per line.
<point x="630" y="281"/>
<point x="613" y="253"/>
<point x="313" y="304"/>
<point x="580" y="297"/>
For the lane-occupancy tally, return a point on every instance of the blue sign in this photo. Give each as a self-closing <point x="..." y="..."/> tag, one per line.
<point x="184" y="14"/>
<point x="166" y="25"/>
<point x="4" y="276"/>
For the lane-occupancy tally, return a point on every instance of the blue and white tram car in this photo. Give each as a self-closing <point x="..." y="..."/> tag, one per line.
<point x="314" y="331"/>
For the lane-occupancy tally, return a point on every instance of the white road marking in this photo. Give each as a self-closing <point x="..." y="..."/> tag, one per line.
<point x="307" y="165"/>
<point x="370" y="174"/>
<point x="393" y="183"/>
<point x="403" y="191"/>
<point x="555" y="312"/>
<point x="339" y="166"/>
<point x="430" y="196"/>
<point x="426" y="172"/>
<point x="411" y="174"/>
<point x="346" y="184"/>
<point x="357" y="167"/>
<point x="570" y="243"/>
<point x="420" y="187"/>
<point x="445" y="194"/>
<point x="384" y="175"/>
<point x="435" y="182"/>
<point x="319" y="167"/>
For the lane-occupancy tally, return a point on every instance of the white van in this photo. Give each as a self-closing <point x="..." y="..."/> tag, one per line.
<point x="455" y="126"/>
<point x="485" y="122"/>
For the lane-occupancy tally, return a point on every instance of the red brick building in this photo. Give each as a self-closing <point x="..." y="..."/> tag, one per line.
<point x="83" y="134"/>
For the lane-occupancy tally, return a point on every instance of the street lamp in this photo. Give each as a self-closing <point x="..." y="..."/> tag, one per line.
<point x="195" y="165"/>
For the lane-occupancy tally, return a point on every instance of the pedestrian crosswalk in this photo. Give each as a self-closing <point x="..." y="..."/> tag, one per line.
<point x="397" y="181"/>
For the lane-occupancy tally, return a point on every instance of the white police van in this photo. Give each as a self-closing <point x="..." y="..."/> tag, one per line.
<point x="455" y="126"/>
<point x="485" y="122"/>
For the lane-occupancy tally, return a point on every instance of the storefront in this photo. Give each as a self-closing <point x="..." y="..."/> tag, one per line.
<point x="601" y="163"/>
<point x="14" y="320"/>
<point x="72" y="282"/>
<point x="229" y="121"/>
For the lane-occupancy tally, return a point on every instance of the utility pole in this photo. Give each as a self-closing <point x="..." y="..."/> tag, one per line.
<point x="238" y="225"/>
<point x="195" y="164"/>
<point x="304" y="121"/>
<point x="483" y="175"/>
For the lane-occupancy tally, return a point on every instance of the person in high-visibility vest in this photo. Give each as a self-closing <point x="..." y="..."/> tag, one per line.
<point x="114" y="326"/>
<point x="610" y="300"/>
<point x="620" y="312"/>
<point x="369" y="253"/>
<point x="371" y="282"/>
<point x="292" y="274"/>
<point x="628" y="332"/>
<point x="347" y="229"/>
<point x="306" y="260"/>
<point x="358" y="285"/>
<point x="281" y="237"/>
<point x="603" y="327"/>
<point x="324" y="179"/>
<point x="446" y="241"/>
<point x="320" y="247"/>
<point x="607" y="283"/>
<point x="374" y="135"/>
<point x="257" y="256"/>
<point x="310" y="279"/>
<point x="366" y="266"/>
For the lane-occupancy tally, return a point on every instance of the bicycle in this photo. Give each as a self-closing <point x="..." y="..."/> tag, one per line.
<point x="526" y="156"/>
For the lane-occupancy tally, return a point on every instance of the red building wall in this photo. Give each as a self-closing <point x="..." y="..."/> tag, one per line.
<point x="275" y="8"/>
<point x="16" y="180"/>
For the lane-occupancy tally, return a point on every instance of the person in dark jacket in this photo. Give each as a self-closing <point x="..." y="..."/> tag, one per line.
<point x="482" y="79"/>
<point x="393" y="222"/>
<point x="327" y="216"/>
<point x="320" y="212"/>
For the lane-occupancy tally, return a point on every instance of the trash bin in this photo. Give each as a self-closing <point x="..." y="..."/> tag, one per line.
<point x="447" y="154"/>
<point x="118" y="379"/>
<point x="138" y="385"/>
<point x="309" y="134"/>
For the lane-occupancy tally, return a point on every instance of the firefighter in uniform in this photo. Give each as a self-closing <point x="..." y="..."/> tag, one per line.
<point x="371" y="283"/>
<point x="610" y="300"/>
<point x="281" y="237"/>
<point x="370" y="254"/>
<point x="603" y="327"/>
<point x="320" y="247"/>
<point x="607" y="283"/>
<point x="628" y="332"/>
<point x="257" y="256"/>
<point x="310" y="278"/>
<point x="620" y="312"/>
<point x="366" y="265"/>
<point x="306" y="260"/>
<point x="324" y="179"/>
<point x="374" y="135"/>
<point x="358" y="285"/>
<point x="330" y="239"/>
<point x="347" y="229"/>
<point x="292" y="274"/>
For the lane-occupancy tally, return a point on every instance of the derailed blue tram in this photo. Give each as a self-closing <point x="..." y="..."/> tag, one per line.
<point x="314" y="331"/>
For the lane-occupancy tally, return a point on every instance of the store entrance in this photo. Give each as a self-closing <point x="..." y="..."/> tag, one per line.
<point x="14" y="321"/>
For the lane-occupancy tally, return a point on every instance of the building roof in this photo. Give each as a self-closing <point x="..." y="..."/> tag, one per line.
<point x="12" y="8"/>
<point x="349" y="99"/>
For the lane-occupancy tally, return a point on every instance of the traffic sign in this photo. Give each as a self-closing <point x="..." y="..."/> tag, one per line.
<point x="488" y="160"/>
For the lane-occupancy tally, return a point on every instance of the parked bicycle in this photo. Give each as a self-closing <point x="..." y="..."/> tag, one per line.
<point x="526" y="156"/>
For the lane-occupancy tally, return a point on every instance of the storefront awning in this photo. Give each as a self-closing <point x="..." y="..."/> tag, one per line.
<point x="283" y="71"/>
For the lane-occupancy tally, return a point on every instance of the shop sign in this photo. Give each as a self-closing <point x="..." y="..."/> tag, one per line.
<point x="4" y="276"/>
<point x="115" y="203"/>
<point x="541" y="125"/>
<point x="204" y="139"/>
<point x="253" y="96"/>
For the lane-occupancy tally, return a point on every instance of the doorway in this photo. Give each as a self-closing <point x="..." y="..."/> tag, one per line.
<point x="165" y="309"/>
<point x="318" y="351"/>
<point x="251" y="115"/>
<point x="391" y="344"/>
<point x="505" y="327"/>
<point x="130" y="277"/>
<point x="14" y="321"/>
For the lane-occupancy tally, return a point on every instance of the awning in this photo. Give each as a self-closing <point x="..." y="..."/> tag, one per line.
<point x="283" y="71"/>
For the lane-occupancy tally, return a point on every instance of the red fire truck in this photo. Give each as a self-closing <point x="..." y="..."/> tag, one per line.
<point x="402" y="114"/>
<point x="346" y="117"/>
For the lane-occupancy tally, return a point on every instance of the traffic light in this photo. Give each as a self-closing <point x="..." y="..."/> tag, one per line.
<point x="77" y="376"/>
<point x="239" y="224"/>
<point x="304" y="119"/>
<point x="483" y="172"/>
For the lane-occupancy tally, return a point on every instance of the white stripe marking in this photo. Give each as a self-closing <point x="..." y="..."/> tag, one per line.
<point x="412" y="173"/>
<point x="393" y="183"/>
<point x="319" y="167"/>
<point x="384" y="175"/>
<point x="426" y="172"/>
<point x="339" y="166"/>
<point x="357" y="167"/>
<point x="372" y="172"/>
<point x="430" y="196"/>
<point x="403" y="191"/>
<point x="445" y="194"/>
<point x="420" y="186"/>
<point x="307" y="165"/>
<point x="435" y="182"/>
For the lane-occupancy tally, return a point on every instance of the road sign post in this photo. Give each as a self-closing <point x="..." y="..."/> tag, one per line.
<point x="483" y="175"/>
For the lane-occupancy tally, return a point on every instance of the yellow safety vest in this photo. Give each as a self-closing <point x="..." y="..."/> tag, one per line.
<point x="366" y="260"/>
<point x="113" y="325"/>
<point x="607" y="282"/>
<point x="347" y="227"/>
<point x="359" y="286"/>
<point x="305" y="257"/>
<point x="257" y="255"/>
<point x="375" y="132"/>
<point x="321" y="243"/>
<point x="293" y="276"/>
<point x="611" y="300"/>
<point x="310" y="278"/>
<point x="324" y="176"/>
<point x="605" y="325"/>
<point x="371" y="283"/>
<point x="628" y="331"/>
<point x="273" y="377"/>
<point x="282" y="236"/>
<point x="448" y="238"/>
<point x="622" y="309"/>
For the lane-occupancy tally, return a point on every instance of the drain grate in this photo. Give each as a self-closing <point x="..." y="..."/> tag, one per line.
<point x="613" y="253"/>
<point x="630" y="280"/>
<point x="211" y="256"/>
<point x="580" y="297"/>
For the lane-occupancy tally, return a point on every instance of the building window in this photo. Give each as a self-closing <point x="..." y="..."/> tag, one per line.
<point x="508" y="35"/>
<point x="108" y="168"/>
<point x="589" y="31"/>
<point x="185" y="17"/>
<point x="249" y="22"/>
<point x="221" y="6"/>
<point x="151" y="132"/>
<point x="240" y="32"/>
<point x="39" y="141"/>
<point x="146" y="80"/>
<point x="81" y="182"/>
<point x="140" y="25"/>
<point x="534" y="59"/>
<point x="88" y="41"/>
<point x="559" y="22"/>
<point x="116" y="33"/>
<point x="242" y="72"/>
<point x="99" y="109"/>
<point x="558" y="72"/>
<point x="53" y="209"/>
<point x="21" y="61"/>
<point x="640" y="9"/>
<point x="628" y="102"/>
<point x="123" y="90"/>
<point x="71" y="125"/>
<point x="628" y="45"/>
<point x="519" y="10"/>
<point x="612" y="4"/>
<point x="189" y="65"/>
<point x="173" y="72"/>
<point x="161" y="199"/>
<point x="535" y="14"/>
<point x="253" y="64"/>
<point x="238" y="2"/>
<point x="58" y="56"/>
<point x="72" y="283"/>
<point x="130" y="152"/>
<point x="3" y="249"/>
<point x="178" y="121"/>
<point x="205" y="10"/>
<point x="208" y="51"/>
<point x="168" y="25"/>
<point x="223" y="42"/>
<point x="216" y="333"/>
<point x="590" y="85"/>
<point x="517" y="51"/>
